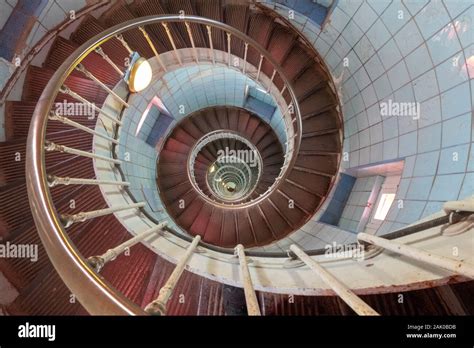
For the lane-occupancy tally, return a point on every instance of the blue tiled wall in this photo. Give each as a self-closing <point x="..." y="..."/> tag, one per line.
<point x="405" y="51"/>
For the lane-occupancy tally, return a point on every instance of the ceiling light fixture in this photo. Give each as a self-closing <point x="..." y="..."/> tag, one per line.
<point x="139" y="73"/>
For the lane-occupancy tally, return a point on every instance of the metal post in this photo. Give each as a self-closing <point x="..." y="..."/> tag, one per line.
<point x="170" y="37"/>
<point x="346" y="294"/>
<point x="250" y="296"/>
<point x="245" y="57"/>
<point x="259" y="66"/>
<point x="271" y="80"/>
<point x="65" y="120"/>
<point x="190" y="34"/>
<point x="228" y="47"/>
<point x="158" y="306"/>
<point x="455" y="266"/>
<point x="209" y="34"/>
<point x="466" y="204"/>
<point x="98" y="262"/>
<point x="152" y="46"/>
<point x="86" y="72"/>
<point x="54" y="180"/>
<point x="68" y="220"/>
<point x="101" y="52"/>
<point x="50" y="146"/>
<point x="66" y="90"/>
<point x="124" y="43"/>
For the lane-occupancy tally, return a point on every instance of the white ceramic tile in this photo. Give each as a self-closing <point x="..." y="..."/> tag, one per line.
<point x="398" y="75"/>
<point x="408" y="144"/>
<point x="374" y="67"/>
<point x="452" y="72"/>
<point x="418" y="61"/>
<point x="365" y="17"/>
<point x="415" y="6"/>
<point x="408" y="38"/>
<point x="444" y="44"/>
<point x="379" y="5"/>
<point x="390" y="149"/>
<point x="378" y="34"/>
<point x="430" y="112"/>
<point x="376" y="153"/>
<point x="369" y="96"/>
<point x="389" y="54"/>
<point x="395" y="16"/>
<point x="382" y="87"/>
<point x="373" y="114"/>
<point x="364" y="49"/>
<point x="456" y="101"/>
<point x="429" y="138"/>
<point x="432" y="18"/>
<point x="425" y="86"/>
<point x="361" y="78"/>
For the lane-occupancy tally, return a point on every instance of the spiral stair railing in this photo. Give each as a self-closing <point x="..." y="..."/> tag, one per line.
<point x="81" y="274"/>
<point x="205" y="140"/>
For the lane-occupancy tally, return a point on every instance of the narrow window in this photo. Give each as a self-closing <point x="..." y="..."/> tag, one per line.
<point x="384" y="205"/>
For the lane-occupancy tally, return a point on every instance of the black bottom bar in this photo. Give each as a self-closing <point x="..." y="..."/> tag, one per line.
<point x="290" y="331"/>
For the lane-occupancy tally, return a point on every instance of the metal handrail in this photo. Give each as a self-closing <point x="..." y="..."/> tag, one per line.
<point x="96" y="294"/>
<point x="205" y="140"/>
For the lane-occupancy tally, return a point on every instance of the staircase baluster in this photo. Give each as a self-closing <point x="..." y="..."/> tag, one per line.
<point x="209" y="34"/>
<point x="124" y="43"/>
<point x="69" y="122"/>
<point x="170" y="37"/>
<point x="259" y="67"/>
<point x="158" y="306"/>
<point x="245" y="57"/>
<point x="98" y="262"/>
<point x="56" y="180"/>
<point x="50" y="146"/>
<point x="271" y="80"/>
<point x="101" y="52"/>
<point x="68" y="220"/>
<point x="152" y="46"/>
<point x="83" y="70"/>
<point x="190" y="34"/>
<point x="455" y="266"/>
<point x="228" y="48"/>
<point x="66" y="90"/>
<point x="250" y="296"/>
<point x="346" y="294"/>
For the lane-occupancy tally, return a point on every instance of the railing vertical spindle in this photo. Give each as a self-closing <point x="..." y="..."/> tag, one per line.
<point x="98" y="262"/>
<point x="158" y="306"/>
<point x="250" y="296"/>
<point x="455" y="266"/>
<point x="190" y="35"/>
<point x="211" y="44"/>
<point x="346" y="294"/>
<point x="259" y="67"/>
<point x="228" y="47"/>
<point x="101" y="52"/>
<point x="170" y="37"/>
<point x="245" y="57"/>
<point x="152" y="46"/>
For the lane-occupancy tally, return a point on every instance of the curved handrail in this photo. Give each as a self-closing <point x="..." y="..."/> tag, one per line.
<point x="96" y="294"/>
<point x="205" y="140"/>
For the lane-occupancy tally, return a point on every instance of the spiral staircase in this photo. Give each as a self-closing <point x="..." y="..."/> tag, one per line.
<point x="60" y="203"/>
